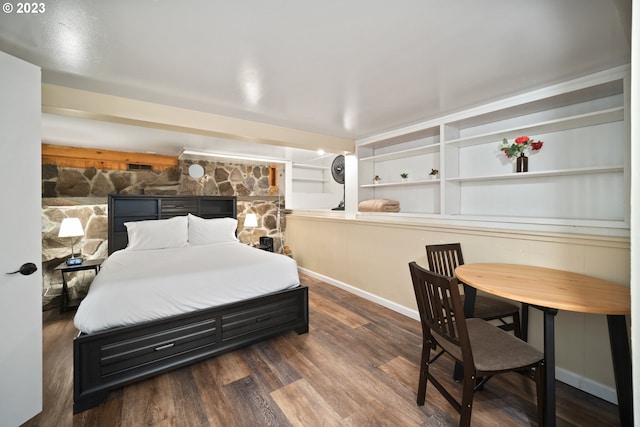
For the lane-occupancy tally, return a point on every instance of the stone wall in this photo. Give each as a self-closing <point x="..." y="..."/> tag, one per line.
<point x="224" y="179"/>
<point x="56" y="250"/>
<point x="82" y="193"/>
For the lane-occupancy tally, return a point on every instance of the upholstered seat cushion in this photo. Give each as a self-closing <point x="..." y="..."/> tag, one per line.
<point x="494" y="350"/>
<point x="491" y="308"/>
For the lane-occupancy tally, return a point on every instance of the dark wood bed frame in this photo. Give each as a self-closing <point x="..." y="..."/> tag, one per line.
<point x="107" y="360"/>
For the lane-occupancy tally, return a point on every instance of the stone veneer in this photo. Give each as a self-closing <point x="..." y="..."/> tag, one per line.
<point x="82" y="193"/>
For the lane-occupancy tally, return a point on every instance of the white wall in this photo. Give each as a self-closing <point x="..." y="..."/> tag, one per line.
<point x="635" y="206"/>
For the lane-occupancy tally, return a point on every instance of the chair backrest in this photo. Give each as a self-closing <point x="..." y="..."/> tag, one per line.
<point x="439" y="303"/>
<point x="444" y="258"/>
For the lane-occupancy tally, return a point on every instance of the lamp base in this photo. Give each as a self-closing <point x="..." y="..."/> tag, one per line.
<point x="74" y="261"/>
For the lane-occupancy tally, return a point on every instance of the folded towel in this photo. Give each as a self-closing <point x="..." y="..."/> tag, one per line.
<point x="379" y="205"/>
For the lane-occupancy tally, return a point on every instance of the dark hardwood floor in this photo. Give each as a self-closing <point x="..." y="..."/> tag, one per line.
<point x="357" y="366"/>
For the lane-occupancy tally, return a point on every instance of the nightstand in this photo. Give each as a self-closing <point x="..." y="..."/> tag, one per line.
<point x="87" y="264"/>
<point x="266" y="244"/>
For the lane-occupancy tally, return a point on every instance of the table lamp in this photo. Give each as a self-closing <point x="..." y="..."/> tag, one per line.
<point x="250" y="221"/>
<point x="71" y="227"/>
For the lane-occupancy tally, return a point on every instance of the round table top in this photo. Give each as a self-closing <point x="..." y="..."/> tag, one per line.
<point x="547" y="287"/>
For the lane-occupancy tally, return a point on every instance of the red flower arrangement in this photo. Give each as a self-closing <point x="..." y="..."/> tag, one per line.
<point x="519" y="146"/>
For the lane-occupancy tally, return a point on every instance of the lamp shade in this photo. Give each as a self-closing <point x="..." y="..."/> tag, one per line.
<point x="71" y="227"/>
<point x="250" y="220"/>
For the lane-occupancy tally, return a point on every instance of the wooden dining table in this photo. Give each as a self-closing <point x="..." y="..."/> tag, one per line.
<point x="551" y="290"/>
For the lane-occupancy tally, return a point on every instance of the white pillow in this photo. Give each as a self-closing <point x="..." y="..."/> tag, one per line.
<point x="158" y="234"/>
<point x="206" y="231"/>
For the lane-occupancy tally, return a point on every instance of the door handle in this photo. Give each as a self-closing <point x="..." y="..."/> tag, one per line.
<point x="26" y="269"/>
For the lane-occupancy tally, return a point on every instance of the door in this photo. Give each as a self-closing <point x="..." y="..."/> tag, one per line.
<point x="20" y="242"/>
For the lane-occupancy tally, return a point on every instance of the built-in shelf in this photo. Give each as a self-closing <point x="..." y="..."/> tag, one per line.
<point x="312" y="186"/>
<point x="573" y="122"/>
<point x="581" y="176"/>
<point x="528" y="175"/>
<point x="398" y="184"/>
<point x="565" y="222"/>
<point x="311" y="180"/>
<point x="307" y="166"/>
<point x="402" y="153"/>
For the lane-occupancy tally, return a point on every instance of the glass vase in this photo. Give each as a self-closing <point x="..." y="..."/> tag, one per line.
<point x="522" y="163"/>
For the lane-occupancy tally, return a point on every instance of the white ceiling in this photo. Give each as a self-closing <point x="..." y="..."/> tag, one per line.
<point x="342" y="68"/>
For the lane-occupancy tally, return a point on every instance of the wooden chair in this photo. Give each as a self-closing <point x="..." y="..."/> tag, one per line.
<point x="481" y="348"/>
<point x="444" y="259"/>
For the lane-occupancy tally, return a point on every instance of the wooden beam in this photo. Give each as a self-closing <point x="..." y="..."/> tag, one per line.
<point x="92" y="105"/>
<point x="75" y="157"/>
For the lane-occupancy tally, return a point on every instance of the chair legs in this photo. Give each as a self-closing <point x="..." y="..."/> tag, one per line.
<point x="468" y="386"/>
<point x="466" y="404"/>
<point x="520" y="328"/>
<point x="525" y="322"/>
<point x="424" y="371"/>
<point x="517" y="327"/>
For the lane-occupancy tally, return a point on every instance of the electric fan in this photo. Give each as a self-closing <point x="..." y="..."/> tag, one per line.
<point x="337" y="172"/>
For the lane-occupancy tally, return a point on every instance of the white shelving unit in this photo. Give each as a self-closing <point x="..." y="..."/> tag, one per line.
<point x="310" y="178"/>
<point x="313" y="186"/>
<point x="579" y="180"/>
<point x="415" y="153"/>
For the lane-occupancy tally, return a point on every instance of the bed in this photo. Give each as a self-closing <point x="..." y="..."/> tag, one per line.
<point x="120" y="342"/>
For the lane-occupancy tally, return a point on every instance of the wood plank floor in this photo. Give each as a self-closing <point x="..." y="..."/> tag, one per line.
<point x="357" y="366"/>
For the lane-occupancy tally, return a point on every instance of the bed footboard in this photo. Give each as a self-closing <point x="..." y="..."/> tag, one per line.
<point x="107" y="360"/>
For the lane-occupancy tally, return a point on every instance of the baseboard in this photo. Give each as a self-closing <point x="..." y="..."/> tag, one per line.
<point x="571" y="378"/>
<point x="366" y="295"/>
<point x="594" y="388"/>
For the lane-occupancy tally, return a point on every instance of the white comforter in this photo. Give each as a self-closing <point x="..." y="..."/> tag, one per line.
<point x="138" y="286"/>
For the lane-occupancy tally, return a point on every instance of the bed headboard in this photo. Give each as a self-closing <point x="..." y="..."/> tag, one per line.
<point x="125" y="208"/>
